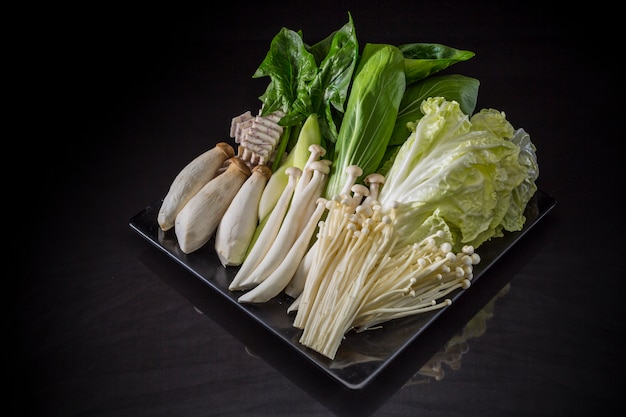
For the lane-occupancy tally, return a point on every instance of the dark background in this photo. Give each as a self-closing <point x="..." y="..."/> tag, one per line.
<point x="122" y="97"/>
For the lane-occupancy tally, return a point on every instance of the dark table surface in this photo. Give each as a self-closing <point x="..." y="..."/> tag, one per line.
<point x="104" y="324"/>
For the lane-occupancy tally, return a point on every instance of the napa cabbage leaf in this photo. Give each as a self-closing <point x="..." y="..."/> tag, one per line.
<point x="476" y="173"/>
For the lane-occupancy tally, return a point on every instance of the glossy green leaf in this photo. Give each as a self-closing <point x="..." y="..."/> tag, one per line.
<point x="308" y="80"/>
<point x="424" y="59"/>
<point x="459" y="88"/>
<point x="329" y="89"/>
<point x="290" y="67"/>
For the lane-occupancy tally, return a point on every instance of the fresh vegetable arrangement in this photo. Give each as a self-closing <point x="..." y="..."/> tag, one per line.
<point x="363" y="187"/>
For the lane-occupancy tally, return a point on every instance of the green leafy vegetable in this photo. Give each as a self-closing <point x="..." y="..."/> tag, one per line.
<point x="455" y="87"/>
<point x="426" y="181"/>
<point x="291" y="67"/>
<point x="424" y="59"/>
<point x="329" y="89"/>
<point x="299" y="87"/>
<point x="377" y="89"/>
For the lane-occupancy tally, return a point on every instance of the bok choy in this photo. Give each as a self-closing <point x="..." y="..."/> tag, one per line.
<point x="377" y="89"/>
<point x="387" y="84"/>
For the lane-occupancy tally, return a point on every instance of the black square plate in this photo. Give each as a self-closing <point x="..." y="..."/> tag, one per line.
<point x="361" y="356"/>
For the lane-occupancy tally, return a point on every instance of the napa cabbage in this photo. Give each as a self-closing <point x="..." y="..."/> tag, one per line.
<point x="474" y="173"/>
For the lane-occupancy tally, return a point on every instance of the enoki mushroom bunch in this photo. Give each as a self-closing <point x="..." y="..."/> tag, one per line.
<point x="359" y="279"/>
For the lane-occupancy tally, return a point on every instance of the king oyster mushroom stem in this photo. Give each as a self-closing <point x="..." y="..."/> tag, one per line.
<point x="190" y="180"/>
<point x="236" y="228"/>
<point x="268" y="234"/>
<point x="197" y="221"/>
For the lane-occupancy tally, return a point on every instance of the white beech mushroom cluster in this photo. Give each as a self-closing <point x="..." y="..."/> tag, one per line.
<point x="285" y="237"/>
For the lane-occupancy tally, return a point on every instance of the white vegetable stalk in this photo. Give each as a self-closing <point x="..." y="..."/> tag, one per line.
<point x="291" y="226"/>
<point x="236" y="228"/>
<point x="359" y="279"/>
<point x="197" y="221"/>
<point x="296" y="285"/>
<point x="280" y="277"/>
<point x="268" y="234"/>
<point x="190" y="180"/>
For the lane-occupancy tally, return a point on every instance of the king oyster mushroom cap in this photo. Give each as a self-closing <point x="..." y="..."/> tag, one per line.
<point x="236" y="228"/>
<point x="190" y="180"/>
<point x="196" y="223"/>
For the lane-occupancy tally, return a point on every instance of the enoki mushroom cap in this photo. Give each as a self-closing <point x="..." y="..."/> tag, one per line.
<point x="360" y="190"/>
<point x="354" y="170"/>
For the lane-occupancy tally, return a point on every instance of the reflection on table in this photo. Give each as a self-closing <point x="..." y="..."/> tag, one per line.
<point x="451" y="353"/>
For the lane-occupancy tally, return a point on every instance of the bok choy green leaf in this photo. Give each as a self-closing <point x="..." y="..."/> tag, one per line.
<point x="459" y="88"/>
<point x="368" y="122"/>
<point x="424" y="59"/>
